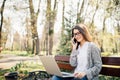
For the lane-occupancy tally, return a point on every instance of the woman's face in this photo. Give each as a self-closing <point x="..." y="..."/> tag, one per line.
<point x="77" y="35"/>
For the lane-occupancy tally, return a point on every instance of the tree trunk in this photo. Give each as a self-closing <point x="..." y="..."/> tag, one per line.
<point x="1" y="12"/>
<point x="35" y="37"/>
<point x="48" y="11"/>
<point x="79" y="13"/>
<point x="97" y="6"/>
<point x="49" y="27"/>
<point x="63" y="24"/>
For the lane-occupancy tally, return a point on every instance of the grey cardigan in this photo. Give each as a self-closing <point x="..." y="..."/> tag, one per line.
<point x="94" y="61"/>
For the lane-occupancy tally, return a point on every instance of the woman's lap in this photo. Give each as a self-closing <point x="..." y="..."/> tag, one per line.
<point x="60" y="78"/>
<point x="84" y="78"/>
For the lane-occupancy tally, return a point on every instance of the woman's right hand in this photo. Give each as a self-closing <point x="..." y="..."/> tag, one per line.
<point x="74" y="44"/>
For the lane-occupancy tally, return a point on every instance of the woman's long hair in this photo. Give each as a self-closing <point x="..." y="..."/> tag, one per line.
<point x="82" y="28"/>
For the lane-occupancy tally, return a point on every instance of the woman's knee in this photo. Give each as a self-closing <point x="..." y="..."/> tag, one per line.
<point x="84" y="78"/>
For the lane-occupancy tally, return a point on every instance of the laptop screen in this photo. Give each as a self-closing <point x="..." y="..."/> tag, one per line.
<point x="50" y="65"/>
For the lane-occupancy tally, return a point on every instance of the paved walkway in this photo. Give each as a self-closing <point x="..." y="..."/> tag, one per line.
<point x="8" y="60"/>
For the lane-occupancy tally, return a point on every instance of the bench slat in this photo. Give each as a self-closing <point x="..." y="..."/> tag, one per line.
<point x="65" y="66"/>
<point x="111" y="60"/>
<point x="110" y="71"/>
<point x="105" y="60"/>
<point x="62" y="58"/>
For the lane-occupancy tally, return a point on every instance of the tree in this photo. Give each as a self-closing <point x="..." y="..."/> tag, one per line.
<point x="5" y="31"/>
<point x="33" y="21"/>
<point x="1" y="12"/>
<point x="79" y="11"/>
<point x="49" y="26"/>
<point x="65" y="41"/>
<point x="27" y="42"/>
<point x="63" y="23"/>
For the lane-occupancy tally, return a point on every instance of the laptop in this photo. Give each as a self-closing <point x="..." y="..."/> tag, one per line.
<point x="51" y="67"/>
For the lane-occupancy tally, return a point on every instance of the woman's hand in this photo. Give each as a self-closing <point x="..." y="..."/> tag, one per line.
<point x="79" y="75"/>
<point x="74" y="44"/>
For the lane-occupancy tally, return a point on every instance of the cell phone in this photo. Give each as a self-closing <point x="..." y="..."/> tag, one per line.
<point x="74" y="41"/>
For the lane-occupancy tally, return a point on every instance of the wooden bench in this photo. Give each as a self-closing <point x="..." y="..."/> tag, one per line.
<point x="110" y="67"/>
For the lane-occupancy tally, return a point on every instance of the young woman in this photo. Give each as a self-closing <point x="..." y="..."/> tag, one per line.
<point x="85" y="55"/>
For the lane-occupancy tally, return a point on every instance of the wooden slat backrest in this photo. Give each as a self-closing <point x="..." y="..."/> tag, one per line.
<point x="63" y="62"/>
<point x="62" y="58"/>
<point x="111" y="65"/>
<point x="109" y="71"/>
<point x="111" y="60"/>
<point x="65" y="66"/>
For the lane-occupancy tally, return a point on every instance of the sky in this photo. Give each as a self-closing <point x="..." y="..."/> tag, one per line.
<point x="18" y="17"/>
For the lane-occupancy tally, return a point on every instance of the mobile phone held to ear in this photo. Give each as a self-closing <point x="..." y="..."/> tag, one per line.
<point x="74" y="41"/>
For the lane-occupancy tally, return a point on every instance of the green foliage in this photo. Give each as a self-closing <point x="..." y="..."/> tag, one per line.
<point x="29" y="66"/>
<point x="2" y="78"/>
<point x="79" y="20"/>
<point x="65" y="42"/>
<point x="116" y="2"/>
<point x="2" y="72"/>
<point x="18" y="53"/>
<point x="106" y="54"/>
<point x="16" y="67"/>
<point x="24" y="68"/>
<point x="102" y="77"/>
<point x="65" y="48"/>
<point x="29" y="50"/>
<point x="65" y="45"/>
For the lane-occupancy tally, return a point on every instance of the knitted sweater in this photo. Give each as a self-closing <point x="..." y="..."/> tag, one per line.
<point x="94" y="63"/>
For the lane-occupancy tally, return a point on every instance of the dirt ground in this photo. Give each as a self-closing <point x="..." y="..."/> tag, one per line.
<point x="9" y="60"/>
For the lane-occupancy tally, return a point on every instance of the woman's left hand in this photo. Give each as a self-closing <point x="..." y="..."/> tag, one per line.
<point x="79" y="75"/>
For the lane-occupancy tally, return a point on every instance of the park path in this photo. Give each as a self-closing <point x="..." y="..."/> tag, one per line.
<point x="9" y="60"/>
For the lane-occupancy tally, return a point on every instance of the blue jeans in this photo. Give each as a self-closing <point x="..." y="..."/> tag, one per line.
<point x="69" y="78"/>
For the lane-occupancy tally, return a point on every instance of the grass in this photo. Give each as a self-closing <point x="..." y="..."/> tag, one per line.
<point x="18" y="53"/>
<point x="2" y="72"/>
<point x="102" y="77"/>
<point x="2" y="78"/>
<point x="23" y="68"/>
